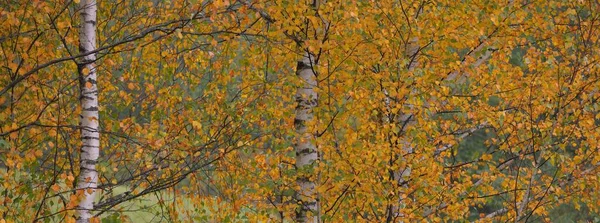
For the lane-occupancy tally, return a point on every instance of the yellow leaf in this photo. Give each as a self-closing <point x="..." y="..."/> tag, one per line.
<point x="131" y="86"/>
<point x="85" y="71"/>
<point x="13" y="66"/>
<point x="197" y="125"/>
<point x="494" y="20"/>
<point x="110" y="62"/>
<point x="150" y="87"/>
<point x="179" y="35"/>
<point x="486" y="157"/>
<point x="55" y="187"/>
<point x="88" y="85"/>
<point x="70" y="220"/>
<point x="14" y="135"/>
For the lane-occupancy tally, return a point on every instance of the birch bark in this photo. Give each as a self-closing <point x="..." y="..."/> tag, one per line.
<point x="90" y="136"/>
<point x="411" y="51"/>
<point x="306" y="150"/>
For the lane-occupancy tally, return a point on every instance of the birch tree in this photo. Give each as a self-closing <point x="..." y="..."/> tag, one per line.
<point x="306" y="150"/>
<point x="90" y="130"/>
<point x="477" y="111"/>
<point x="307" y="153"/>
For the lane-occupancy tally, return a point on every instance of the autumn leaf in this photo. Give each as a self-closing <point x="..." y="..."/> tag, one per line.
<point x="197" y="125"/>
<point x="85" y="71"/>
<point x="301" y="111"/>
<point x="178" y="32"/>
<point x="55" y="187"/>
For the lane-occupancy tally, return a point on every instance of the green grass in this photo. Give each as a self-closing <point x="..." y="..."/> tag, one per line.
<point x="149" y="208"/>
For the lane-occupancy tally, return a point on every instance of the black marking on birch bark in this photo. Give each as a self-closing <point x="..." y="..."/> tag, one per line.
<point x="80" y="67"/>
<point x="89" y="129"/>
<point x="303" y="179"/>
<point x="94" y="92"/>
<point x="306" y="102"/>
<point x="301" y="66"/>
<point x="82" y="49"/>
<point x="92" y="97"/>
<point x="86" y="61"/>
<point x="89" y="161"/>
<point x="92" y="108"/>
<point x="90" y="137"/>
<point x="306" y="151"/>
<point x="309" y="203"/>
<point x="90" y="165"/>
<point x="83" y="168"/>
<point x="93" y="22"/>
<point x="91" y="80"/>
<point x="85" y="97"/>
<point x="313" y="102"/>
<point x="298" y="123"/>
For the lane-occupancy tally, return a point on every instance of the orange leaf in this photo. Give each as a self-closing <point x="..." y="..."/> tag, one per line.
<point x="55" y="187"/>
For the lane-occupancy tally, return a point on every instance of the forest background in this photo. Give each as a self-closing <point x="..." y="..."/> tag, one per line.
<point x="299" y="111"/>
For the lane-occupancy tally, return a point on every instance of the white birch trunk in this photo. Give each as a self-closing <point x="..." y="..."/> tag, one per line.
<point x="306" y="151"/>
<point x="90" y="136"/>
<point x="411" y="51"/>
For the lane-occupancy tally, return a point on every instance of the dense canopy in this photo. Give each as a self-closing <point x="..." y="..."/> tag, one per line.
<point x="299" y="111"/>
